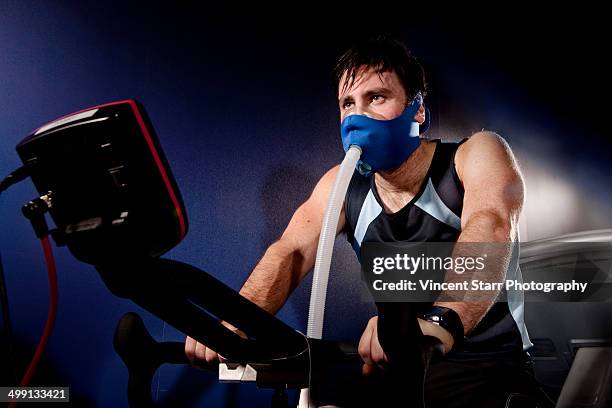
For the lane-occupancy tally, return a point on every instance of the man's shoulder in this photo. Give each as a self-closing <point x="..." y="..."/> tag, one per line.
<point x="482" y="142"/>
<point x="482" y="149"/>
<point x="329" y="177"/>
<point x="324" y="186"/>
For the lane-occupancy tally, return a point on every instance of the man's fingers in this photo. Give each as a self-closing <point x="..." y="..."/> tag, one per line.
<point x="377" y="352"/>
<point x="364" y="345"/>
<point x="370" y="350"/>
<point x="190" y="345"/>
<point x="211" y="356"/>
<point x="200" y="352"/>
<point x="367" y="369"/>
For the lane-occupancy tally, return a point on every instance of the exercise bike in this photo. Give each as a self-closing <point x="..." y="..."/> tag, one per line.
<point x="104" y="179"/>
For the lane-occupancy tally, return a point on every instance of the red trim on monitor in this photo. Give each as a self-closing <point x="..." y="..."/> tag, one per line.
<point x="82" y="110"/>
<point x="160" y="166"/>
<point x="151" y="145"/>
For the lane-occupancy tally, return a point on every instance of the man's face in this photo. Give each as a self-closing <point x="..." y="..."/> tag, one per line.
<point x="376" y="95"/>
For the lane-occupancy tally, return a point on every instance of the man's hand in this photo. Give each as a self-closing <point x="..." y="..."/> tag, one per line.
<point x="198" y="352"/>
<point x="372" y="353"/>
<point x="370" y="350"/>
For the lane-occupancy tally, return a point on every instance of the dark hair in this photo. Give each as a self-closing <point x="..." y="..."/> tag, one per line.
<point x="383" y="53"/>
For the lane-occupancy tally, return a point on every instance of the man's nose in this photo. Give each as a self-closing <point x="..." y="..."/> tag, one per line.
<point x="361" y="110"/>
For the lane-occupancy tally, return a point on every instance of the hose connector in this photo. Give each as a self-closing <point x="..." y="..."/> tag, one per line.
<point x="35" y="212"/>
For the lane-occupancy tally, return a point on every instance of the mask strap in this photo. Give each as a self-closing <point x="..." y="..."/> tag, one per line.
<point x="412" y="109"/>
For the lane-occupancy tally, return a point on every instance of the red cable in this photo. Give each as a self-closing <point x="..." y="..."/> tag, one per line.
<point x="50" y="262"/>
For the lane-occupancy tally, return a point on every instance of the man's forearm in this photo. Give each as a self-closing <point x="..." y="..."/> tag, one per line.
<point x="274" y="278"/>
<point x="483" y="228"/>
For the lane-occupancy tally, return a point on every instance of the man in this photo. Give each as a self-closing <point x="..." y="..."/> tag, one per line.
<point x="424" y="191"/>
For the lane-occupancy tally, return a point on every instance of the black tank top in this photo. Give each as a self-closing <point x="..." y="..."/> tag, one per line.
<point x="434" y="215"/>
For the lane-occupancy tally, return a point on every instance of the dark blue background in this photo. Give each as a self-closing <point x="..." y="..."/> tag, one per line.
<point x="245" y="110"/>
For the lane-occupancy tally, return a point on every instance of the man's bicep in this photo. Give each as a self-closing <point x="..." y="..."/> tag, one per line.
<point x="305" y="225"/>
<point x="492" y="180"/>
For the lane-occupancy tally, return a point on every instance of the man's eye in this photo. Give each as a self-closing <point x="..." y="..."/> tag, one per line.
<point x="347" y="105"/>
<point x="378" y="98"/>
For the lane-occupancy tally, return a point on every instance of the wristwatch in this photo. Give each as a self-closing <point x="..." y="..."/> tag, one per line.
<point x="448" y="319"/>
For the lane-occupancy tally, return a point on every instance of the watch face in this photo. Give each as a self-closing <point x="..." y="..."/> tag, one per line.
<point x="448" y="319"/>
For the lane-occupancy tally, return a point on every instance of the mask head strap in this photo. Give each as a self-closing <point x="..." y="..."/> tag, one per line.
<point x="412" y="109"/>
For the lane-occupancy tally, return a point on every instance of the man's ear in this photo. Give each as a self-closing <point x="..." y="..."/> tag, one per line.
<point x="420" y="115"/>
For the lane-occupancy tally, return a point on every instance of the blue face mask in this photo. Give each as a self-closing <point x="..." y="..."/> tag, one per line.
<point x="385" y="144"/>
